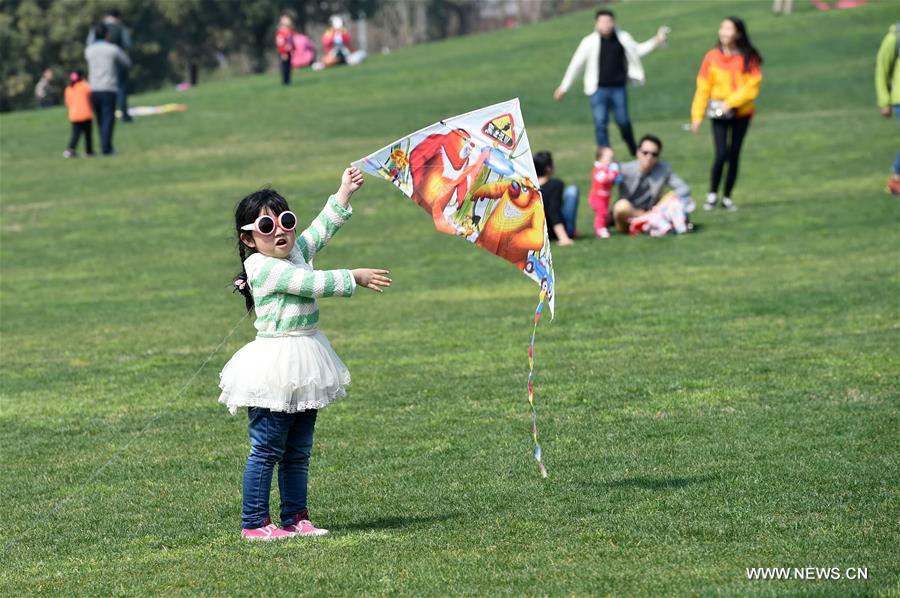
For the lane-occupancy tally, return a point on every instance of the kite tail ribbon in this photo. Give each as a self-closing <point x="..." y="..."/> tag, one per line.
<point x="537" y="447"/>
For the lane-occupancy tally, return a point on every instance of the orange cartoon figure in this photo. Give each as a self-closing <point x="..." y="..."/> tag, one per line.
<point x="516" y="224"/>
<point x="432" y="189"/>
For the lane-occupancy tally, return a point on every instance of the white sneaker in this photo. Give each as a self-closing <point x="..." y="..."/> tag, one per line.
<point x="603" y="233"/>
<point x="710" y="202"/>
<point x="727" y="204"/>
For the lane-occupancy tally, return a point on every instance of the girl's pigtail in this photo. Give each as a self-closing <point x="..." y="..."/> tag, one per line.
<point x="246" y="212"/>
<point x="240" y="281"/>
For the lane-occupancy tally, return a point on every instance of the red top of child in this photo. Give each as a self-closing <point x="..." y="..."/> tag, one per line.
<point x="284" y="41"/>
<point x="328" y="38"/>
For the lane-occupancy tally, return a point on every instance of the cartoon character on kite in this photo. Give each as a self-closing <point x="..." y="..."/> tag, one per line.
<point x="535" y="265"/>
<point x="432" y="188"/>
<point x="395" y="168"/>
<point x="515" y="225"/>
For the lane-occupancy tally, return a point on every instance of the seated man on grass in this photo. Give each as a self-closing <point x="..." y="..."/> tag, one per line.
<point x="643" y="182"/>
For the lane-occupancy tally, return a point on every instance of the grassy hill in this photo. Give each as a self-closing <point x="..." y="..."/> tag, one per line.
<point x="707" y="403"/>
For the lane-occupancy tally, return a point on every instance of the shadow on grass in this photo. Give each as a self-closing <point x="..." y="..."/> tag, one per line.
<point x="399" y="522"/>
<point x="656" y="483"/>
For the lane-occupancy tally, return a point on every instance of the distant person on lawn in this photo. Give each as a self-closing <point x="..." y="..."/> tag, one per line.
<point x="887" y="90"/>
<point x="727" y="85"/>
<point x="336" y="41"/>
<point x="43" y="91"/>
<point x="643" y="184"/>
<point x="610" y="59"/>
<point x="78" y="103"/>
<point x="560" y="201"/>
<point x="120" y="36"/>
<point x="104" y="61"/>
<point x="284" y="44"/>
<point x="604" y="175"/>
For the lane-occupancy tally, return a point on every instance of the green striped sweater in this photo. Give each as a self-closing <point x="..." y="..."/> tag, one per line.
<point x="285" y="290"/>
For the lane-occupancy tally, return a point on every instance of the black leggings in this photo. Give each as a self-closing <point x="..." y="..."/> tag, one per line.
<point x="727" y="152"/>
<point x="79" y="128"/>
<point x="286" y="70"/>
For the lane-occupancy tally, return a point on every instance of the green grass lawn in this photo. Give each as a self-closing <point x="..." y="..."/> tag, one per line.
<point x="707" y="403"/>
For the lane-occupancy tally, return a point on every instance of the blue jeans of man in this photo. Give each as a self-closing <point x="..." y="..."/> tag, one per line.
<point x="104" y="105"/>
<point x="616" y="99"/>
<point x="569" y="209"/>
<point x="897" y="157"/>
<point x="284" y="439"/>
<point x="122" y="93"/>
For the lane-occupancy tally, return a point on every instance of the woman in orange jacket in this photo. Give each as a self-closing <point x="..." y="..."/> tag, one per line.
<point x="727" y="84"/>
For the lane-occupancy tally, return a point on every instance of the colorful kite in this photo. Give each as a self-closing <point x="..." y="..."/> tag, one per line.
<point x="475" y="176"/>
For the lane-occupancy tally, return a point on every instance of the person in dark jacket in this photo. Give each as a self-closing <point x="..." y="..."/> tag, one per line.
<point x="560" y="201"/>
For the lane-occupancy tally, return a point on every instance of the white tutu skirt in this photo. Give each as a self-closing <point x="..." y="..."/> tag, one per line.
<point x="286" y="373"/>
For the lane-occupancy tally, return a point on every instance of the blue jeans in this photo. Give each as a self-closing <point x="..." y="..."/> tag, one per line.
<point x="122" y="93"/>
<point x="285" y="439"/>
<point x="897" y="157"/>
<point x="104" y="105"/>
<point x="569" y="209"/>
<point x="616" y="98"/>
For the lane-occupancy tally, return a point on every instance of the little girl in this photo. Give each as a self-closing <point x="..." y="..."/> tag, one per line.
<point x="78" y="102"/>
<point x="604" y="176"/>
<point x="290" y="370"/>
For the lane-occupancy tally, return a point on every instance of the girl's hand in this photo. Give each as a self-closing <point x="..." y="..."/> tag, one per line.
<point x="371" y="278"/>
<point x="351" y="180"/>
<point x="695" y="126"/>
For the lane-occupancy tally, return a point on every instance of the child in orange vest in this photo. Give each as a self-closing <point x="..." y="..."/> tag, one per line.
<point x="78" y="101"/>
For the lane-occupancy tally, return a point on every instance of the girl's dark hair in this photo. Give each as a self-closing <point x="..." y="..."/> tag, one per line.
<point x="245" y="213"/>
<point x="751" y="55"/>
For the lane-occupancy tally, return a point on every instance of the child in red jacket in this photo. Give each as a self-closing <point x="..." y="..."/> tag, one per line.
<point x="284" y="44"/>
<point x="604" y="176"/>
<point x="78" y="101"/>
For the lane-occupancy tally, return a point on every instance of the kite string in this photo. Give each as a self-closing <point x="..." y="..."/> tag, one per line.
<point x="537" y="447"/>
<point x="55" y="508"/>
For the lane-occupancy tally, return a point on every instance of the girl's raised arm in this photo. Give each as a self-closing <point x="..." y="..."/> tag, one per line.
<point x="330" y="219"/>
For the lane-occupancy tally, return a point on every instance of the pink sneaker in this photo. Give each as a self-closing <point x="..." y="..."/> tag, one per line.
<point x="303" y="527"/>
<point x="269" y="531"/>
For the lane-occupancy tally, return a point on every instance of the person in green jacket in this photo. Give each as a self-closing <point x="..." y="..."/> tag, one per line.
<point x="887" y="89"/>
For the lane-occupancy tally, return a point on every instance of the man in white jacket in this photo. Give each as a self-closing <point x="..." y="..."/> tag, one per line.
<point x="610" y="58"/>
